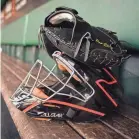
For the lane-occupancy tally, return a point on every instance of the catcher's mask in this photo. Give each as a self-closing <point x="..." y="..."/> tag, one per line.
<point x="45" y="95"/>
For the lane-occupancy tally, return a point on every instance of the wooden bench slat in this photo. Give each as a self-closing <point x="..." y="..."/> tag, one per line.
<point x="123" y="124"/>
<point x="96" y="130"/>
<point x="24" y="66"/>
<point x="129" y="112"/>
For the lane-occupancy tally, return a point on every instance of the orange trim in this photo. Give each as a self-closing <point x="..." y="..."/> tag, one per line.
<point x="109" y="83"/>
<point x="50" y="105"/>
<point x="30" y="107"/>
<point x="63" y="67"/>
<point x="110" y="74"/>
<point x="76" y="106"/>
<point x="43" y="119"/>
<point x="39" y="93"/>
<point x="61" y="103"/>
<point x="66" y="104"/>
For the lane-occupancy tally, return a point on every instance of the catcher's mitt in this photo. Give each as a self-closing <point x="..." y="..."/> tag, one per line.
<point x="64" y="30"/>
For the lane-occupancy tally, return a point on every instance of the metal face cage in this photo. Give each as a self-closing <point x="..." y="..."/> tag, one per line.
<point x="41" y="76"/>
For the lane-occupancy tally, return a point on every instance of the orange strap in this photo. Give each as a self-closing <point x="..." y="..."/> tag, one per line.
<point x="50" y="105"/>
<point x="43" y="119"/>
<point x="63" y="67"/>
<point x="39" y="93"/>
<point x="36" y="91"/>
<point x="30" y="107"/>
<point x="76" y="106"/>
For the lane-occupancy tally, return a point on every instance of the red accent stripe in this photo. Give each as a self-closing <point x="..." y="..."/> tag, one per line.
<point x="76" y="106"/>
<point x="66" y="104"/>
<point x="109" y="83"/>
<point x="30" y="107"/>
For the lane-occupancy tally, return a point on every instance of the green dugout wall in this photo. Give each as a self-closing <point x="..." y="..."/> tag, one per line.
<point x="14" y="33"/>
<point x="119" y="16"/>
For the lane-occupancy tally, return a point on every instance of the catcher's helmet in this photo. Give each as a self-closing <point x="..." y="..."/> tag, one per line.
<point x="79" y="94"/>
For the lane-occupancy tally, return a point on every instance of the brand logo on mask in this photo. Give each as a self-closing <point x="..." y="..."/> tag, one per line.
<point x="58" y="115"/>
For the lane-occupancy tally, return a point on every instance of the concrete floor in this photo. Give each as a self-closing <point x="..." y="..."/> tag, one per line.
<point x="8" y="129"/>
